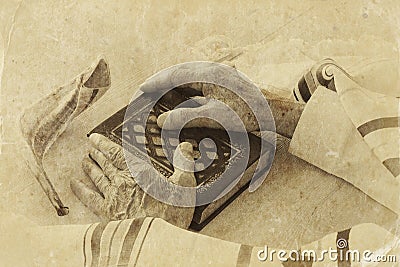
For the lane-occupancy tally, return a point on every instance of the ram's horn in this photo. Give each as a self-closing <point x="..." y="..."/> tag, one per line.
<point x="42" y="123"/>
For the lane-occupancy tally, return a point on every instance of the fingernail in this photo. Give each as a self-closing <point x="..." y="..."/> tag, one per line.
<point x="85" y="164"/>
<point x="94" y="138"/>
<point x="161" y="119"/>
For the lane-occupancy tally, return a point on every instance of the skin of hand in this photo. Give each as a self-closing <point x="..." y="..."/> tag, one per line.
<point x="285" y="112"/>
<point x="119" y="196"/>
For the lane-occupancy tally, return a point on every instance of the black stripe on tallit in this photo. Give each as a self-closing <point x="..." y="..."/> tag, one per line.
<point x="342" y="261"/>
<point x="130" y="239"/>
<point x="393" y="165"/>
<point x="111" y="243"/>
<point x="311" y="84"/>
<point x="295" y="95"/>
<point x="95" y="242"/>
<point x="376" y="124"/>
<point x="144" y="238"/>
<point x="303" y="89"/>
<point x="244" y="256"/>
<point x="84" y="245"/>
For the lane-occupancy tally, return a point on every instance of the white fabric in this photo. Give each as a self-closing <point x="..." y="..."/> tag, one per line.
<point x="327" y="138"/>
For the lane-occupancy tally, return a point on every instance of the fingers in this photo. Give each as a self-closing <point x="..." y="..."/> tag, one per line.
<point x="108" y="168"/>
<point x="186" y="74"/>
<point x="96" y="175"/>
<point x="172" y="77"/>
<point x="183" y="162"/>
<point x="206" y="116"/>
<point x="161" y="81"/>
<point x="88" y="197"/>
<point x="112" y="151"/>
<point x="178" y="117"/>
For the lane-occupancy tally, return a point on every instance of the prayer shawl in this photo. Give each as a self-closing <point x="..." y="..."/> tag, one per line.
<point x="154" y="242"/>
<point x="353" y="133"/>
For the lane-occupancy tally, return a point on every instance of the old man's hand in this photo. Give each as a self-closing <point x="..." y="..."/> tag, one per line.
<point x="118" y="195"/>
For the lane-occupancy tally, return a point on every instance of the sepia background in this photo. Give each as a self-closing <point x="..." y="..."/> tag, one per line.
<point x="45" y="44"/>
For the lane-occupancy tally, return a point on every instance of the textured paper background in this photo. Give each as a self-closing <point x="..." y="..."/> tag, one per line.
<point x="46" y="43"/>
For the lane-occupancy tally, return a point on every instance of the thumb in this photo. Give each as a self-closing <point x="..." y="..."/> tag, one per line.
<point x="198" y="117"/>
<point x="183" y="162"/>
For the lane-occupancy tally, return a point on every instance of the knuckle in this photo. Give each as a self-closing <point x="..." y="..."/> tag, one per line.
<point x="110" y="170"/>
<point x="115" y="153"/>
<point x="100" y="142"/>
<point x="105" y="190"/>
<point x="93" y="199"/>
<point x="126" y="174"/>
<point x="121" y="185"/>
<point x="94" y="153"/>
<point x="98" y="178"/>
<point x="85" y="166"/>
<point x="121" y="163"/>
<point x="102" y="162"/>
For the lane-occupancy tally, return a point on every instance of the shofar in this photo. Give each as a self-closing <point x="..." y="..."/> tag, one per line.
<point x="43" y="122"/>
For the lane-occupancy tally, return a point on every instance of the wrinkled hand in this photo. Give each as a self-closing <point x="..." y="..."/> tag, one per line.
<point x="211" y="92"/>
<point x="285" y="112"/>
<point x="118" y="196"/>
